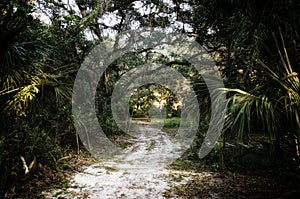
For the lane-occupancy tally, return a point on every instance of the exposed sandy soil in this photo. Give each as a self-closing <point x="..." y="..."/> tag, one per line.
<point x="140" y="172"/>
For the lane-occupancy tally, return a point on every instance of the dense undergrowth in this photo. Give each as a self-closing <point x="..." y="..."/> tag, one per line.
<point x="255" y="45"/>
<point x="231" y="172"/>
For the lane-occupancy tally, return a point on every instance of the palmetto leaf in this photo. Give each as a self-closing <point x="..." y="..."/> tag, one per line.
<point x="22" y="77"/>
<point x="283" y="73"/>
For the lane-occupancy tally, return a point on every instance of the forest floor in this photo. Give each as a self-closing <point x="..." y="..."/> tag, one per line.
<point x="142" y="171"/>
<point x="137" y="173"/>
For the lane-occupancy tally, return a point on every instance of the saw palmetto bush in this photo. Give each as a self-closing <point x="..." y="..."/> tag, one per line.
<point x="271" y="108"/>
<point x="287" y="98"/>
<point x="35" y="94"/>
<point x="258" y="57"/>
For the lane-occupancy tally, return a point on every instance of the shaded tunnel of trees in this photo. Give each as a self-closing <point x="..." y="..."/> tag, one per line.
<point x="255" y="45"/>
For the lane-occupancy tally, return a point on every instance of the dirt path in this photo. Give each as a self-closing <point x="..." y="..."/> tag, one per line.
<point x="138" y="173"/>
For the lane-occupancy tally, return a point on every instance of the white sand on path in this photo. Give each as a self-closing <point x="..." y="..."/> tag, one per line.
<point x="138" y="173"/>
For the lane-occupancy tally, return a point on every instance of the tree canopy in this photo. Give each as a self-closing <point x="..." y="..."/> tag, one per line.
<point x="255" y="45"/>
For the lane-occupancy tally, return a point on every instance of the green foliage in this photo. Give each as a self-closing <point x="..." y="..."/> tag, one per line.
<point x="173" y="122"/>
<point x="39" y="144"/>
<point x="35" y="92"/>
<point x="258" y="59"/>
<point x="255" y="45"/>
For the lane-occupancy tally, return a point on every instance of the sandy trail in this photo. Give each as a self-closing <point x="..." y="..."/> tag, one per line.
<point x="138" y="173"/>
